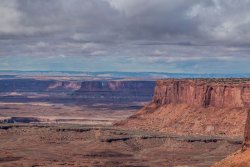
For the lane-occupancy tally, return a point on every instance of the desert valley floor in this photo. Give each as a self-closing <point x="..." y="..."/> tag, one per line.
<point x="79" y="145"/>
<point x="82" y="136"/>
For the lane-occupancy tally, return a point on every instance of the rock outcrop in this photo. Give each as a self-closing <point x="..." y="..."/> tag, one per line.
<point x="116" y="91"/>
<point x="196" y="106"/>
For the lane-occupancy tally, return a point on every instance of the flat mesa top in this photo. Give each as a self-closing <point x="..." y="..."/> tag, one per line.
<point x="209" y="80"/>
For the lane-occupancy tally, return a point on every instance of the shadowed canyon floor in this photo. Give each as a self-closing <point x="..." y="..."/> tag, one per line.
<point x="78" y="145"/>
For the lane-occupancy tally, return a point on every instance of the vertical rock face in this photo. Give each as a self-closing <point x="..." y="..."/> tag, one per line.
<point x="116" y="91"/>
<point x="247" y="131"/>
<point x="199" y="92"/>
<point x="136" y="86"/>
<point x="196" y="106"/>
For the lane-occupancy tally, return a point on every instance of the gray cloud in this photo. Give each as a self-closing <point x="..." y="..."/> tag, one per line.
<point x="161" y="30"/>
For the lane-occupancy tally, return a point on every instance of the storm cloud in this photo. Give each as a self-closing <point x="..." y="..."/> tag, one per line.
<point x="179" y="35"/>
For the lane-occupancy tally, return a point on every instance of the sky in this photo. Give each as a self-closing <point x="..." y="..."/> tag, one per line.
<point x="184" y="36"/>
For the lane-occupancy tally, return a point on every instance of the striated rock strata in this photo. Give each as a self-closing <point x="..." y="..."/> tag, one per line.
<point x="196" y="106"/>
<point x="77" y="91"/>
<point x="116" y="91"/>
<point x="205" y="93"/>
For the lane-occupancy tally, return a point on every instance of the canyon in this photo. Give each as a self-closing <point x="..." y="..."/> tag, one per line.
<point x="71" y="99"/>
<point x="171" y="122"/>
<point x="75" y="91"/>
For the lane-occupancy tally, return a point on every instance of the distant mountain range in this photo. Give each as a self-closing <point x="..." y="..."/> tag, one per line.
<point x="121" y="75"/>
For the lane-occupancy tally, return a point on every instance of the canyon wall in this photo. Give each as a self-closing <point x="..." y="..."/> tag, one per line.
<point x="33" y="85"/>
<point x="116" y="91"/>
<point x="203" y="92"/>
<point x="80" y="92"/>
<point x="196" y="106"/>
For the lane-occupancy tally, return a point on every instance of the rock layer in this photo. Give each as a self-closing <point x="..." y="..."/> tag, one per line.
<point x="116" y="91"/>
<point x="77" y="91"/>
<point x="196" y="106"/>
<point x="200" y="92"/>
<point x="34" y="85"/>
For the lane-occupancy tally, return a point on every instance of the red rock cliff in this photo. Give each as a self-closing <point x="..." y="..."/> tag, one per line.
<point x="199" y="92"/>
<point x="196" y="106"/>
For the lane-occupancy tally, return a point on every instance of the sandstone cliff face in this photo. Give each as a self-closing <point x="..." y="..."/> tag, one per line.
<point x="196" y="106"/>
<point x="205" y="93"/>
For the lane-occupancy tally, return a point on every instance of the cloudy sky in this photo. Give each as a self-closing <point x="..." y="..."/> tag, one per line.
<point x="202" y="36"/>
